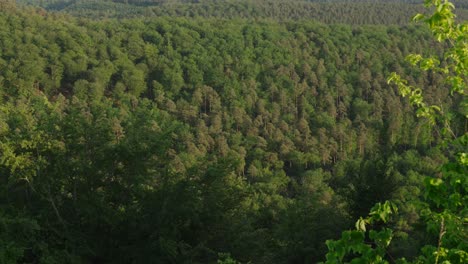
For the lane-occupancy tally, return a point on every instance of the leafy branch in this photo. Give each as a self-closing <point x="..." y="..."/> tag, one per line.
<point x="445" y="210"/>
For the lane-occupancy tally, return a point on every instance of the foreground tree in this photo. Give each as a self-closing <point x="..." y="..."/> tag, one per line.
<point x="444" y="210"/>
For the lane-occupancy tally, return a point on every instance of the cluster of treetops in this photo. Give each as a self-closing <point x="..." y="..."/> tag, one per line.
<point x="396" y="12"/>
<point x="177" y="140"/>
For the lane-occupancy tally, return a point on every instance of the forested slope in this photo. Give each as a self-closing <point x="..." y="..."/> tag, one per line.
<point x="344" y="12"/>
<point x="171" y="140"/>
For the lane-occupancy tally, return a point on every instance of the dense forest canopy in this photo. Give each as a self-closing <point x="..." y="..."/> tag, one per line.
<point x="189" y="137"/>
<point x="346" y="12"/>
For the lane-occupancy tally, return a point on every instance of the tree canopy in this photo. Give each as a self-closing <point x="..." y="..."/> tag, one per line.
<point x="207" y="137"/>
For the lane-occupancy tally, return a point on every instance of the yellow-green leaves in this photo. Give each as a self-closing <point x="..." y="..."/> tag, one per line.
<point x="361" y="224"/>
<point x="353" y="241"/>
<point x="382" y="212"/>
<point x="415" y="97"/>
<point x="464" y="158"/>
<point x="441" y="21"/>
<point x="444" y="27"/>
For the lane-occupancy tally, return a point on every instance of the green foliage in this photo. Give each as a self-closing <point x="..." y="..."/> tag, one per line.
<point x="354" y="242"/>
<point x="169" y="139"/>
<point x="326" y="11"/>
<point x="225" y="258"/>
<point x="445" y="29"/>
<point x="445" y="208"/>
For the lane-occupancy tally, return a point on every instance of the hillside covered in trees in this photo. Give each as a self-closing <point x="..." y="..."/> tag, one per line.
<point x="218" y="129"/>
<point x="352" y="12"/>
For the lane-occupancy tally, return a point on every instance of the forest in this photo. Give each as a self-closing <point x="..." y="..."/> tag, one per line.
<point x="159" y="131"/>
<point x="351" y="12"/>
